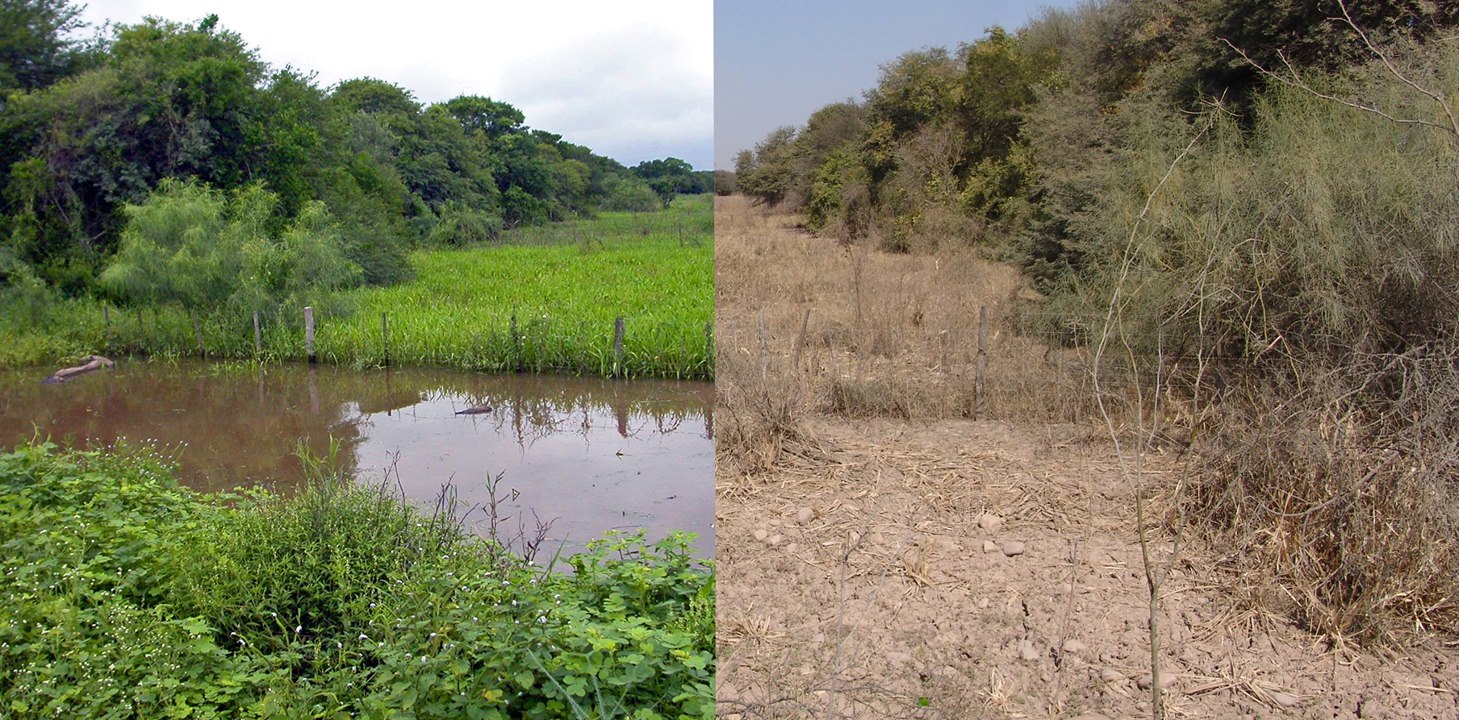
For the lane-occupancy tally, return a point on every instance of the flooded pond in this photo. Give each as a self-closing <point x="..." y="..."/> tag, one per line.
<point x="592" y="454"/>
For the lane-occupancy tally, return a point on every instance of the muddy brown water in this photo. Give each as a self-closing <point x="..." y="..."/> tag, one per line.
<point x="590" y="454"/>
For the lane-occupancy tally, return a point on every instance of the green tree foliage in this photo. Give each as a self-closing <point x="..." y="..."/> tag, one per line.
<point x="192" y="246"/>
<point x="725" y="183"/>
<point x="169" y="101"/>
<point x="36" y="44"/>
<point x="89" y="131"/>
<point x="672" y="177"/>
<point x="767" y="174"/>
<point x="1012" y="139"/>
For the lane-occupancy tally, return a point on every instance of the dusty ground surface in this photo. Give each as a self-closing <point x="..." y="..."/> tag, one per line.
<point x="934" y="566"/>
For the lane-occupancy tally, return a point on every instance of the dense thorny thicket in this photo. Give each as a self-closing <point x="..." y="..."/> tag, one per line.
<point x="1263" y="191"/>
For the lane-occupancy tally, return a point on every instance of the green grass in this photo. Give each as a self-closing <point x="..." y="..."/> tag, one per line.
<point x="125" y="596"/>
<point x="564" y="284"/>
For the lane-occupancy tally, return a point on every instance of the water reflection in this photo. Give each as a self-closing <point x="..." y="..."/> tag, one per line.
<point x="595" y="454"/>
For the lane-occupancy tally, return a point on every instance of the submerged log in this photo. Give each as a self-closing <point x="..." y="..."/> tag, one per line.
<point x="478" y="410"/>
<point x="90" y="363"/>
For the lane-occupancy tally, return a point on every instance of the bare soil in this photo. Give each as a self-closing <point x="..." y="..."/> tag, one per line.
<point x="929" y="565"/>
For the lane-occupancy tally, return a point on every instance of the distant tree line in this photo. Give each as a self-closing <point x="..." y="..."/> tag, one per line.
<point x="187" y="115"/>
<point x="1006" y="140"/>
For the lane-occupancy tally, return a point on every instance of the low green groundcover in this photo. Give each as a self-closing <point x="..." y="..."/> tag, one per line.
<point x="124" y="595"/>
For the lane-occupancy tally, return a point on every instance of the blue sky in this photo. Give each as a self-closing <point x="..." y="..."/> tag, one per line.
<point x="777" y="62"/>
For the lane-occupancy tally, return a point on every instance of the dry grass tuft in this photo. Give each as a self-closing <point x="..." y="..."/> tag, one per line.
<point x="1356" y="511"/>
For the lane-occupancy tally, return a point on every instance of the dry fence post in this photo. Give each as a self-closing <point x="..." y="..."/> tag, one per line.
<point x="764" y="354"/>
<point x="257" y="336"/>
<point x="805" y="321"/>
<point x="309" y="333"/>
<point x="946" y="347"/>
<point x="980" y="370"/>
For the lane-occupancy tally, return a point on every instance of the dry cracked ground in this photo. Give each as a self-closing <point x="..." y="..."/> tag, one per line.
<point x="885" y="558"/>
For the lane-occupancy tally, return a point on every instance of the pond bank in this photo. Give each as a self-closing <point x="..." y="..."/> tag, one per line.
<point x="125" y="595"/>
<point x="594" y="454"/>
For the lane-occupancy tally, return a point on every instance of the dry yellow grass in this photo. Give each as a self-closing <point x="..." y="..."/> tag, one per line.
<point x="807" y="324"/>
<point x="855" y="575"/>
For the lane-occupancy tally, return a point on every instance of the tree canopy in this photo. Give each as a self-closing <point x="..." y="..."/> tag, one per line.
<point x="91" y="130"/>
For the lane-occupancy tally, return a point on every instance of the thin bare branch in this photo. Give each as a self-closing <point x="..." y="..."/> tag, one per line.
<point x="1448" y="109"/>
<point x="1293" y="79"/>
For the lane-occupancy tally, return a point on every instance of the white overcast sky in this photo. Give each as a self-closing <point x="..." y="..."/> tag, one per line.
<point x="633" y="80"/>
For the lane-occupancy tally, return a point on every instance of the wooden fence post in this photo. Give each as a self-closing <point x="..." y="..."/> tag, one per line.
<point x="516" y="346"/>
<point x="805" y="321"/>
<point x="309" y="334"/>
<point x="385" y="337"/>
<point x="617" y="345"/>
<point x="764" y="353"/>
<point x="981" y="368"/>
<point x="257" y="336"/>
<point x="198" y="333"/>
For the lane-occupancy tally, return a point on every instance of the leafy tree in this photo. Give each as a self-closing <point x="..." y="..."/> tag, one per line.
<point x="768" y="173"/>
<point x="486" y="116"/>
<point x="192" y="246"/>
<point x="375" y="97"/>
<point x="169" y="101"/>
<point x="36" y="48"/>
<point x="668" y="177"/>
<point x="724" y="182"/>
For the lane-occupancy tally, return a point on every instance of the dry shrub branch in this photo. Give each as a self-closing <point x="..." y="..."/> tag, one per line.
<point x="1309" y="270"/>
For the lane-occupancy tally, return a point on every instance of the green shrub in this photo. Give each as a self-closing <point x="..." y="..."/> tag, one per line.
<point x="124" y="596"/>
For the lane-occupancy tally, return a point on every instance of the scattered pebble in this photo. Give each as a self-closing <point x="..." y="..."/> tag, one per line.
<point x="982" y="603"/>
<point x="804" y="515"/>
<point x="1027" y="651"/>
<point x="1075" y="647"/>
<point x="1166" y="680"/>
<point x="1111" y="675"/>
<point x="1013" y="547"/>
<point x="989" y="522"/>
<point x="774" y="540"/>
<point x="899" y="658"/>
<point x="989" y="546"/>
<point x="761" y="534"/>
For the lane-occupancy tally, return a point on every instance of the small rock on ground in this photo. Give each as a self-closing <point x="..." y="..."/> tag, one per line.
<point x="989" y="546"/>
<point x="1166" y="680"/>
<point x="1027" y="651"/>
<point x="1013" y="547"/>
<point x="990" y="522"/>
